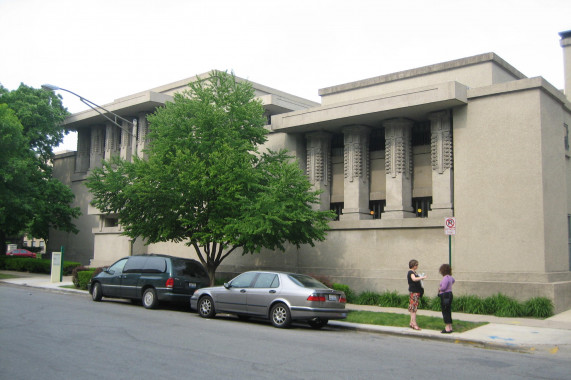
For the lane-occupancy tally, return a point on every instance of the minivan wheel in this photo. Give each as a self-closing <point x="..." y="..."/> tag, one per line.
<point x="280" y="315"/>
<point x="96" y="293"/>
<point x="206" y="307"/>
<point x="150" y="298"/>
<point x="317" y="323"/>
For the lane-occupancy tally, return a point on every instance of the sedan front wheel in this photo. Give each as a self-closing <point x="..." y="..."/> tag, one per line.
<point x="280" y="315"/>
<point x="206" y="307"/>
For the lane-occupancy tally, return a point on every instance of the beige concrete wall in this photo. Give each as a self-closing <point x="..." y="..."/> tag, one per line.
<point x="555" y="189"/>
<point x="483" y="72"/>
<point x="77" y="247"/>
<point x="498" y="188"/>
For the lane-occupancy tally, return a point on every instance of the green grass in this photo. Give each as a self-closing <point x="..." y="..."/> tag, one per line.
<point x="6" y="276"/>
<point x="403" y="320"/>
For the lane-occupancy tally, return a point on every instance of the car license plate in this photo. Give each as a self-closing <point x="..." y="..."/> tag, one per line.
<point x="192" y="284"/>
<point x="332" y="297"/>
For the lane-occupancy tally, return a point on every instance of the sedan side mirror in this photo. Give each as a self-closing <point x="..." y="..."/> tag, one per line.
<point x="227" y="285"/>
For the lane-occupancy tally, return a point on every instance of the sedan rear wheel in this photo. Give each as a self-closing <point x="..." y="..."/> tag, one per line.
<point x="206" y="307"/>
<point x="280" y="315"/>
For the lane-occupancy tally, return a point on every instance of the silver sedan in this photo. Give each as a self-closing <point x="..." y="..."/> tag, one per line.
<point x="277" y="296"/>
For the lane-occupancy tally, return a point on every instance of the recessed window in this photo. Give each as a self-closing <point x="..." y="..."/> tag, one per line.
<point x="377" y="208"/>
<point x="421" y="206"/>
<point x="337" y="207"/>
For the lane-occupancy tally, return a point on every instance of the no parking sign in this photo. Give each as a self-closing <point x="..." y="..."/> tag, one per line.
<point x="450" y="226"/>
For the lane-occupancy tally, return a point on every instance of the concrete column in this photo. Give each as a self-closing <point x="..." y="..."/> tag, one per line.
<point x="565" y="43"/>
<point x="126" y="141"/>
<point x="83" y="145"/>
<point x="134" y="143"/>
<point x="112" y="136"/>
<point x="319" y="166"/>
<point x="142" y="135"/>
<point x="96" y="150"/>
<point x="442" y="166"/>
<point x="356" y="173"/>
<point x="398" y="169"/>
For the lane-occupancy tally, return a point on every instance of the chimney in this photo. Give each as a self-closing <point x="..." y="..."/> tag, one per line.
<point x="566" y="45"/>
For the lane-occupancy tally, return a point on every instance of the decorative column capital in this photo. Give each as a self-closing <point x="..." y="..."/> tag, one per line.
<point x="319" y="157"/>
<point x="441" y="141"/>
<point x="398" y="147"/>
<point x="356" y="152"/>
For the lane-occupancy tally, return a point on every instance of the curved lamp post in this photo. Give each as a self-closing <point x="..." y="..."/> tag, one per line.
<point x="95" y="107"/>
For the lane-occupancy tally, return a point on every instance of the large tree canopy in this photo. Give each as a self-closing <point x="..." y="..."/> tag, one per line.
<point x="31" y="201"/>
<point x="206" y="184"/>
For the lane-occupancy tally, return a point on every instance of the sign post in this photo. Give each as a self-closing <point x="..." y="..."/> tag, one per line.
<point x="450" y="229"/>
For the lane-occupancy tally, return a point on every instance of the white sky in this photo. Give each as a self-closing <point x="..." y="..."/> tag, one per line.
<point x="103" y="50"/>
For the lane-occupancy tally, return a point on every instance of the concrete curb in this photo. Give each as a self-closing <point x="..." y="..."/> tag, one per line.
<point x="432" y="335"/>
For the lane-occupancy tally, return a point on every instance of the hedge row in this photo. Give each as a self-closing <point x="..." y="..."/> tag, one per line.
<point x="81" y="276"/>
<point x="499" y="305"/>
<point x="27" y="264"/>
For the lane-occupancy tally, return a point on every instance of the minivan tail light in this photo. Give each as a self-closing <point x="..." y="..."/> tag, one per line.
<point x="170" y="283"/>
<point x="316" y="298"/>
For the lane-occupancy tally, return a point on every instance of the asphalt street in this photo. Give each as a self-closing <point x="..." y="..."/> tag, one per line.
<point x="61" y="335"/>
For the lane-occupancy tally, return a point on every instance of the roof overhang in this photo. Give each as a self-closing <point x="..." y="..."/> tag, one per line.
<point x="125" y="107"/>
<point x="413" y="104"/>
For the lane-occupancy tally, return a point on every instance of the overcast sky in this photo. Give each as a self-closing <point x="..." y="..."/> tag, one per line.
<point x="103" y="50"/>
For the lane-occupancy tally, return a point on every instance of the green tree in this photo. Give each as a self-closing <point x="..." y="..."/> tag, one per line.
<point x="31" y="201"/>
<point x="206" y="184"/>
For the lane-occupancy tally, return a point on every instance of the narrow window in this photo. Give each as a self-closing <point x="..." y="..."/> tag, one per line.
<point x="421" y="206"/>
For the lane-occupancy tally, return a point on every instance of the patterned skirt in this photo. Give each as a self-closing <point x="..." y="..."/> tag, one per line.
<point x="413" y="302"/>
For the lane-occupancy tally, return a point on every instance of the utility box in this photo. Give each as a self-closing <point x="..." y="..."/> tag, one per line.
<point x="57" y="266"/>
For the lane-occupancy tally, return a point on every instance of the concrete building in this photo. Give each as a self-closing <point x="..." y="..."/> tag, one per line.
<point x="472" y="139"/>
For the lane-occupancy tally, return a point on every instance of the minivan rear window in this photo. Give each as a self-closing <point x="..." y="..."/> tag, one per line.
<point x="155" y="265"/>
<point x="145" y="264"/>
<point x="188" y="268"/>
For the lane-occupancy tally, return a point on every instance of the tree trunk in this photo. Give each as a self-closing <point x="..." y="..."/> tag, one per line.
<point x="211" y="269"/>
<point x="3" y="243"/>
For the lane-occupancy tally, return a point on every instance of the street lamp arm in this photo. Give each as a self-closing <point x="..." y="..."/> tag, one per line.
<point x="93" y="106"/>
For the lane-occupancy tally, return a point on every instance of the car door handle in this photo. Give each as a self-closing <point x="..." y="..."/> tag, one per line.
<point x="272" y="291"/>
<point x="243" y="291"/>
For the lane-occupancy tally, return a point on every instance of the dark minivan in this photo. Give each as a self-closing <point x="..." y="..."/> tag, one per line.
<point x="151" y="278"/>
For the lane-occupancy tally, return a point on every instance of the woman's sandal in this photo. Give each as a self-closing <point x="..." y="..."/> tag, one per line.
<point x="415" y="327"/>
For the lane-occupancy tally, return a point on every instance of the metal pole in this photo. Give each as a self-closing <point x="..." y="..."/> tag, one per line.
<point x="61" y="267"/>
<point x="450" y="250"/>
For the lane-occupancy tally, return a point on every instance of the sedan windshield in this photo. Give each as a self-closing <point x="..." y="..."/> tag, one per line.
<point x="306" y="281"/>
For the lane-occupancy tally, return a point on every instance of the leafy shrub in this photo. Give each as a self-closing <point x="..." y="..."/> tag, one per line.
<point x="469" y="304"/>
<point x="499" y="305"/>
<point x="84" y="277"/>
<point x="27" y="264"/>
<point x="435" y="304"/>
<point x="369" y="298"/>
<point x="538" y="307"/>
<point x="68" y="267"/>
<point x="390" y="299"/>
<point x="424" y="302"/>
<point x="503" y="306"/>
<point x="345" y="289"/>
<point x="75" y="276"/>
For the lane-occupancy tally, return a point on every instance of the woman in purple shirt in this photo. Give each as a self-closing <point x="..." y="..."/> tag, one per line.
<point x="445" y="294"/>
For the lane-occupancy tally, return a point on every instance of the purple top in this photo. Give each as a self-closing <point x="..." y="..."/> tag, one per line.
<point x="446" y="284"/>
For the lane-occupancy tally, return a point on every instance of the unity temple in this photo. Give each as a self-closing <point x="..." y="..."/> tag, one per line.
<point x="395" y="155"/>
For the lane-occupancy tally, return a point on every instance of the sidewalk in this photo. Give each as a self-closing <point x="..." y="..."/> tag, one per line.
<point x="550" y="336"/>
